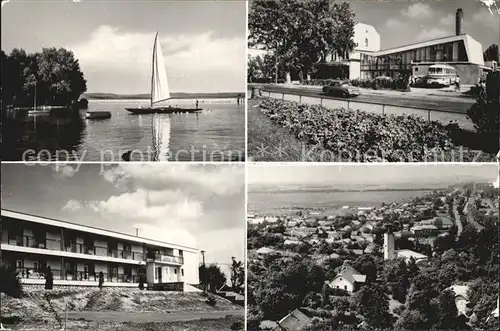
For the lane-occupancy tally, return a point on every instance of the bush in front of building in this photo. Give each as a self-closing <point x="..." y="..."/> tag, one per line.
<point x="211" y="301"/>
<point x="485" y="113"/>
<point x="358" y="135"/>
<point x="10" y="283"/>
<point x="399" y="82"/>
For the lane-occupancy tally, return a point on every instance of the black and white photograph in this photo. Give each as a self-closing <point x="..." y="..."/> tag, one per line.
<point x="373" y="247"/>
<point x="373" y="81"/>
<point x="128" y="247"/>
<point x="120" y="81"/>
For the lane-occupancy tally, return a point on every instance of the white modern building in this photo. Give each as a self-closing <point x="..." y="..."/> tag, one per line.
<point x="77" y="254"/>
<point x="391" y="253"/>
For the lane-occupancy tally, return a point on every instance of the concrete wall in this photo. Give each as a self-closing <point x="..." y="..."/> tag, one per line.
<point x="150" y="273"/>
<point x="191" y="263"/>
<point x="354" y="70"/>
<point x="361" y="33"/>
<point x="341" y="283"/>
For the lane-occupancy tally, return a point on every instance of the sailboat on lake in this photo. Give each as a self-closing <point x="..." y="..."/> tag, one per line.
<point x="159" y="87"/>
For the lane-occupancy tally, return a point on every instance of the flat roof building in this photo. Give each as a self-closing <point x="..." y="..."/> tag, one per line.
<point x="77" y="254"/>
<point x="460" y="51"/>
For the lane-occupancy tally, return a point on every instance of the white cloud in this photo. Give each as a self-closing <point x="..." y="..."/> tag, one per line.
<point x="152" y="206"/>
<point x="188" y="58"/>
<point x="393" y="23"/>
<point x="166" y="233"/>
<point x="483" y="17"/>
<point x="64" y="170"/>
<point x="219" y="180"/>
<point x="448" y="20"/>
<point x="162" y="215"/>
<point x="72" y="205"/>
<point x="434" y="33"/>
<point x="418" y="11"/>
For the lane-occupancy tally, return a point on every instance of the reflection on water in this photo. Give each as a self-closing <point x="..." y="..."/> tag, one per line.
<point x="161" y="136"/>
<point x="215" y="134"/>
<point x="28" y="134"/>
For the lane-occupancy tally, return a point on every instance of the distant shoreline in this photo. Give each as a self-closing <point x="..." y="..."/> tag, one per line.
<point x="319" y="190"/>
<point x="113" y="96"/>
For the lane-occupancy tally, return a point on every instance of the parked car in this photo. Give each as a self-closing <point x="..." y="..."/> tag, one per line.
<point x="339" y="88"/>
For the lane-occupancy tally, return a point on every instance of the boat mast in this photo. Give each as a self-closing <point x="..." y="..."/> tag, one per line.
<point x="153" y="69"/>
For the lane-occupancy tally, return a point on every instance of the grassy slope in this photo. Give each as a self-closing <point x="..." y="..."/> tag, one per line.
<point x="40" y="306"/>
<point x="265" y="137"/>
<point x="199" y="325"/>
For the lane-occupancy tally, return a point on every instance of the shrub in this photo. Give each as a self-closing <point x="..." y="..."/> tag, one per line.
<point x="211" y="301"/>
<point x="83" y="103"/>
<point x="485" y="113"/>
<point x="10" y="282"/>
<point x="360" y="135"/>
<point x="338" y="292"/>
<point x="11" y="320"/>
<point x="237" y="325"/>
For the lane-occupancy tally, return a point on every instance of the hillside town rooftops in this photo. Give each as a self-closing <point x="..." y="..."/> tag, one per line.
<point x="407" y="254"/>
<point x="265" y="250"/>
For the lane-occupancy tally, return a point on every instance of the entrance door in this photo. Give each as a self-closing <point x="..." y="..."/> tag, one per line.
<point x="159" y="274"/>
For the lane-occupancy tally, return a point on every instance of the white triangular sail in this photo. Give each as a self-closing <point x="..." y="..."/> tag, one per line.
<point x="159" y="82"/>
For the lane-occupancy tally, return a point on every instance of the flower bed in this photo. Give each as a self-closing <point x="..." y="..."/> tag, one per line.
<point x="360" y="136"/>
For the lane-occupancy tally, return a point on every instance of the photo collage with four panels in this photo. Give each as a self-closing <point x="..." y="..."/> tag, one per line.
<point x="276" y="165"/>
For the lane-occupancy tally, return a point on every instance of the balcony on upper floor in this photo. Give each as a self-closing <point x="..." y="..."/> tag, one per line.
<point x="167" y="258"/>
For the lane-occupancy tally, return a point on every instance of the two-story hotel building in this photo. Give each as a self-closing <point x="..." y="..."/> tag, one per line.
<point x="77" y="254"/>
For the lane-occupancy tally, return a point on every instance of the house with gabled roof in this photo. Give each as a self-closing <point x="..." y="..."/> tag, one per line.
<point x="348" y="279"/>
<point x="294" y="321"/>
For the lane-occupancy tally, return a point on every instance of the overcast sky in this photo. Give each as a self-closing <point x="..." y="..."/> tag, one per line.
<point x="370" y="174"/>
<point x="182" y="204"/>
<point x="203" y="41"/>
<point x="405" y="22"/>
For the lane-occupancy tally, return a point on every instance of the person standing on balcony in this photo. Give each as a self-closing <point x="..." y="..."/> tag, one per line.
<point x="49" y="279"/>
<point x="101" y="279"/>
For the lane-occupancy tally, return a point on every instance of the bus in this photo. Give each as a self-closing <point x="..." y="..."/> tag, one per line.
<point x="441" y="74"/>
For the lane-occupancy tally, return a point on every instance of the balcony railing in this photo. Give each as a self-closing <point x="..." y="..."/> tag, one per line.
<point x="53" y="244"/>
<point x="31" y="273"/>
<point x="169" y="258"/>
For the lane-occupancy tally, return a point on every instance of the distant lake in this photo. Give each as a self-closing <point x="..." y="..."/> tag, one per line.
<point x="215" y="134"/>
<point x="282" y="202"/>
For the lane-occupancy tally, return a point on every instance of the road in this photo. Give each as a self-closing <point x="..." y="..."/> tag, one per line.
<point x="458" y="221"/>
<point x="450" y="104"/>
<point x="174" y="316"/>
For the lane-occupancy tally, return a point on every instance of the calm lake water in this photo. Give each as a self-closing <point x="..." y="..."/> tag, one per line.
<point x="215" y="134"/>
<point x="281" y="202"/>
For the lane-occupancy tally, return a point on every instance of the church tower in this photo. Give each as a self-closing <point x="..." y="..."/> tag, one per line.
<point x="388" y="244"/>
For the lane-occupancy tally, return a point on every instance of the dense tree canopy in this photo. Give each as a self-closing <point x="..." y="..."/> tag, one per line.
<point x="491" y="53"/>
<point x="212" y="277"/>
<point x="49" y="77"/>
<point x="301" y="33"/>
